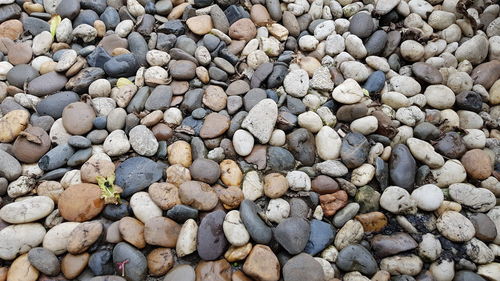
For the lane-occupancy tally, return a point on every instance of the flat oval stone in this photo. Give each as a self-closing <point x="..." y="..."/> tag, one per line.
<point x="31" y="145"/>
<point x="46" y="84"/>
<point x="19" y="239"/>
<point x="54" y="105"/>
<point x="427" y="73"/>
<point x="28" y="210"/>
<point x="212" y="242"/>
<point x="388" y="245"/>
<point x="356" y="258"/>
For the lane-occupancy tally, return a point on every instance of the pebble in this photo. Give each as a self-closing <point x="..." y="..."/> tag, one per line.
<point x="28" y="210"/>
<point x="455" y="226"/>
<point x="19" y="239"/>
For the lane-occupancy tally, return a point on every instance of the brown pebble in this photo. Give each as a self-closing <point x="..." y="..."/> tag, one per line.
<point x="160" y="261"/>
<point x="73" y="265"/>
<point x="372" y="222"/>
<point x="477" y="163"/>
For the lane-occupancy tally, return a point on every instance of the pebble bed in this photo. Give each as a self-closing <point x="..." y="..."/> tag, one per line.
<point x="265" y="140"/>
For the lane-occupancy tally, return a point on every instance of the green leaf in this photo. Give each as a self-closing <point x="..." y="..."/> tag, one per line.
<point x="54" y="22"/>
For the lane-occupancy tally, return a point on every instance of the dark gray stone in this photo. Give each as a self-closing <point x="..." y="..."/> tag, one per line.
<point x="292" y="234"/>
<point x="56" y="157"/>
<point x="137" y="173"/>
<point x="356" y="258"/>
<point x="159" y="99"/>
<point x="136" y="268"/>
<point x="403" y="167"/>
<point x="139" y="47"/>
<point x="354" y="150"/>
<point x="211" y="241"/>
<point x="181" y="213"/>
<point x="68" y="9"/>
<point x="44" y="260"/>
<point x="20" y="74"/>
<point x="258" y="230"/>
<point x="279" y="159"/>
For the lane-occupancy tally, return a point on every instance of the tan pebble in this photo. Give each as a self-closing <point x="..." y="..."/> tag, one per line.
<point x="47" y="67"/>
<point x="76" y="67"/>
<point x="100" y="27"/>
<point x="12" y="124"/>
<point x="177" y="11"/>
<point x="448" y="206"/>
<point x="59" y="46"/>
<point x="180" y="153"/>
<point x="132" y="231"/>
<point x="32" y="7"/>
<point x="22" y="270"/>
<point x="200" y="24"/>
<point x="152" y="118"/>
<point x="73" y="265"/>
<point x="231" y="174"/>
<point x="160" y="261"/>
<point x="11" y="29"/>
<point x="177" y="174"/>
<point x="119" y="51"/>
<point x="202" y="74"/>
<point x="51" y="189"/>
<point x="238" y="253"/>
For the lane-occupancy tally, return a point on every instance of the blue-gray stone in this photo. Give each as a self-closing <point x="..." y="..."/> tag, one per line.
<point x="20" y="74"/>
<point x="165" y="42"/>
<point x="258" y="230"/>
<point x="279" y="159"/>
<point x="137" y="173"/>
<point x="68" y="8"/>
<point x="121" y="66"/>
<point x="375" y="82"/>
<point x="322" y="235"/>
<point x="35" y="26"/>
<point x="10" y="11"/>
<point x="80" y="157"/>
<point x="110" y="17"/>
<point x="101" y="263"/>
<point x="10" y="168"/>
<point x="116" y="212"/>
<point x="234" y="13"/>
<point x="85" y="17"/>
<point x="100" y="122"/>
<point x="98" y="57"/>
<point x="79" y="142"/>
<point x="56" y="157"/>
<point x="80" y="83"/>
<point x="402" y="167"/>
<point x="139" y="47"/>
<point x="54" y="105"/>
<point x="98" y="6"/>
<point x="55" y="174"/>
<point x="276" y="77"/>
<point x="376" y="43"/>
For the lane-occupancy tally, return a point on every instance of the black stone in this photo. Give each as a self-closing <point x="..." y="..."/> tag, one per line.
<point x="98" y="6"/>
<point x="115" y="212"/>
<point x="181" y="213"/>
